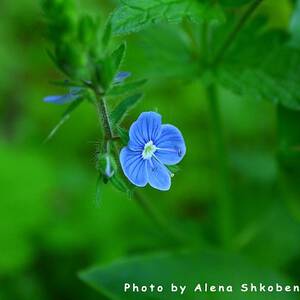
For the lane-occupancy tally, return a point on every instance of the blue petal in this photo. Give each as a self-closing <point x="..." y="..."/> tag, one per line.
<point x="121" y="76"/>
<point x="109" y="172"/>
<point x="158" y="175"/>
<point x="134" y="166"/>
<point x="62" y="99"/>
<point x="146" y="128"/>
<point x="170" y="144"/>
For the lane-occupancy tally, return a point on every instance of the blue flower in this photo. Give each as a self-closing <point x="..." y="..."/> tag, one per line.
<point x="73" y="95"/>
<point x="152" y="145"/>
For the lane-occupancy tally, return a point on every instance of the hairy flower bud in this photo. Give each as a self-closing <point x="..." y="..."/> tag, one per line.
<point x="106" y="165"/>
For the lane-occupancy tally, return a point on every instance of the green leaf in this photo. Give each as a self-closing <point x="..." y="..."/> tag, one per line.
<point x="118" y="182"/>
<point x="186" y="268"/>
<point x="108" y="68"/>
<point x="65" y="117"/>
<point x="235" y="2"/>
<point x="295" y="25"/>
<point x="123" y="107"/>
<point x="99" y="193"/>
<point x="166" y="53"/>
<point x="136" y="15"/>
<point x="252" y="70"/>
<point x="173" y="168"/>
<point x="124" y="135"/>
<point x="118" y="56"/>
<point x="106" y="34"/>
<point x="289" y="154"/>
<point x="126" y="88"/>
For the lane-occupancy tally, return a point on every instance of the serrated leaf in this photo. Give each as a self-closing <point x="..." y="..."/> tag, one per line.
<point x="126" y="88"/>
<point x="185" y="268"/>
<point x="166" y="53"/>
<point x="135" y="15"/>
<point x="65" y="117"/>
<point x="252" y="70"/>
<point x="124" y="107"/>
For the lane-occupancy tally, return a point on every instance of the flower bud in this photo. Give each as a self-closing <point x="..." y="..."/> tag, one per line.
<point x="106" y="165"/>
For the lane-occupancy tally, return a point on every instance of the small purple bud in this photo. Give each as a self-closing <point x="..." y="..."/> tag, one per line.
<point x="121" y="76"/>
<point x="63" y="99"/>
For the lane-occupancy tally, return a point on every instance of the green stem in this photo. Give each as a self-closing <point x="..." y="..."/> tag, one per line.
<point x="225" y="201"/>
<point x="149" y="209"/>
<point x="158" y="219"/>
<point x="104" y="116"/>
<point x="232" y="36"/>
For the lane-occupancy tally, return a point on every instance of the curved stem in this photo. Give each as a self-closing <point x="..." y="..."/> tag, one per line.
<point x="158" y="219"/>
<point x="232" y="36"/>
<point x="149" y="209"/>
<point x="225" y="201"/>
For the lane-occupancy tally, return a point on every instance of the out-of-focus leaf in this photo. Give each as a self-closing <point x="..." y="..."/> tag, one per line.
<point x="163" y="52"/>
<point x="121" y="89"/>
<point x="123" y="107"/>
<point x="261" y="237"/>
<point x="259" y="166"/>
<point x="254" y="71"/>
<point x="289" y="154"/>
<point x="25" y="180"/>
<point x="186" y="268"/>
<point x="234" y="2"/>
<point x="135" y="15"/>
<point x="65" y="117"/>
<point x="295" y="26"/>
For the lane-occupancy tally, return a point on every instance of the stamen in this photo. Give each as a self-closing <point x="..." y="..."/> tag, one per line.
<point x="149" y="150"/>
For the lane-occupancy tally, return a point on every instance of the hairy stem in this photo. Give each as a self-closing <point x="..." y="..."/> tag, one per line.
<point x="233" y="34"/>
<point x="224" y="198"/>
<point x="104" y="116"/>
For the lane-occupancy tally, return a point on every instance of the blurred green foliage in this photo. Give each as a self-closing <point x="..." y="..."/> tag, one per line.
<point x="50" y="225"/>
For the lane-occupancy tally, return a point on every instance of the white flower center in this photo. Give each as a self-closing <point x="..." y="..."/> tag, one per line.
<point x="149" y="150"/>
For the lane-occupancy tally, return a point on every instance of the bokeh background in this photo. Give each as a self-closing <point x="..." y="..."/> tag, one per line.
<point x="50" y="226"/>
